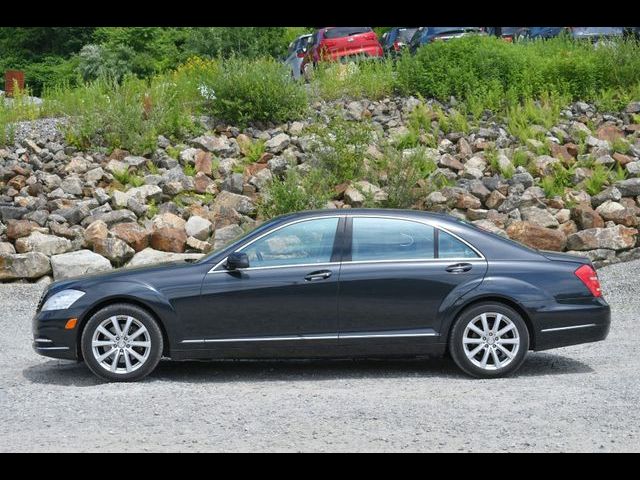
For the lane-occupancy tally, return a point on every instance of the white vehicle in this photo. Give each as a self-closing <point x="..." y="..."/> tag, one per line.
<point x="295" y="54"/>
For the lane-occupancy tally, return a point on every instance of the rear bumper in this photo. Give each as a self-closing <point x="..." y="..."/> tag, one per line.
<point x="572" y="326"/>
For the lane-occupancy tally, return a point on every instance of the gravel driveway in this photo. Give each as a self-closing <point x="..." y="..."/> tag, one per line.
<point x="582" y="398"/>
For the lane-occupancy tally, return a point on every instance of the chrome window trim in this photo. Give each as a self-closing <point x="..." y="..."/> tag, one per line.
<point x="382" y="217"/>
<point x="286" y="338"/>
<point x="568" y="328"/>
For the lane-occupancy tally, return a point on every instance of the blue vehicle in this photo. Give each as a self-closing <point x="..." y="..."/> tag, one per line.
<point x="426" y="35"/>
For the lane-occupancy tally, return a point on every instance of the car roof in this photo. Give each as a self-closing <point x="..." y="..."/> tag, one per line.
<point x="388" y="212"/>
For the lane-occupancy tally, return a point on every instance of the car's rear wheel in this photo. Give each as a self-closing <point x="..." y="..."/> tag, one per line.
<point x="122" y="343"/>
<point x="489" y="340"/>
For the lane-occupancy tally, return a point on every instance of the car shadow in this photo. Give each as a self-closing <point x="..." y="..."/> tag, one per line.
<point x="58" y="372"/>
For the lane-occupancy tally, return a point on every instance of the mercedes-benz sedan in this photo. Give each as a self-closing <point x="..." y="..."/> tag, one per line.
<point x="335" y="283"/>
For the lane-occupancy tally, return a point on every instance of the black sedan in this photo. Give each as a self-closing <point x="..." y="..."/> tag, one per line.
<point x="335" y="283"/>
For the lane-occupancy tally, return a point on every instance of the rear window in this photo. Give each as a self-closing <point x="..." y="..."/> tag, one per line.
<point x="405" y="34"/>
<point x="338" y="32"/>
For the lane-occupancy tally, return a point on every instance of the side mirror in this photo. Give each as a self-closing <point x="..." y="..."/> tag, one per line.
<point x="237" y="260"/>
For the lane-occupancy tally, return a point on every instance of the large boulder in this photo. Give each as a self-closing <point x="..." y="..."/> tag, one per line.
<point x="277" y="143"/>
<point x="586" y="217"/>
<point x="169" y="239"/>
<point x="629" y="187"/>
<point x="46" y="244"/>
<point x="136" y="236"/>
<point x="225" y="235"/>
<point x="227" y="200"/>
<point x="32" y="265"/>
<point x="539" y="216"/>
<point x="536" y="236"/>
<point x="198" y="227"/>
<point x="116" y="250"/>
<point x="22" y="228"/>
<point x="98" y="230"/>
<point x="75" y="264"/>
<point x="615" y="238"/>
<point x="149" y="256"/>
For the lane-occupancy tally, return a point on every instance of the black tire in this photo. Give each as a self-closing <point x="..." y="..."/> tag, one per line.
<point x="144" y="318"/>
<point x="456" y="346"/>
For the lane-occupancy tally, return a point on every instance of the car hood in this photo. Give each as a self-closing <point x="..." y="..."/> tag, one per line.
<point x="134" y="274"/>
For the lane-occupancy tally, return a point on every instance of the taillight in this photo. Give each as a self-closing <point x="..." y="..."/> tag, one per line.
<point x="589" y="277"/>
<point x="301" y="54"/>
<point x="508" y="38"/>
<point x="396" y="46"/>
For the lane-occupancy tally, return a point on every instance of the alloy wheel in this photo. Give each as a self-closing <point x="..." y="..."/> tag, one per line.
<point x="491" y="341"/>
<point x="121" y="344"/>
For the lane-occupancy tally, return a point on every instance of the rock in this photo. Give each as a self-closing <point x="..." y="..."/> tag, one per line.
<point x="204" y="163"/>
<point x="609" y="132"/>
<point x="612" y="211"/>
<point x="135" y="162"/>
<point x="198" y="227"/>
<point x="112" y="218"/>
<point x="523" y="178"/>
<point x="568" y="227"/>
<point x="633" y="168"/>
<point x="46" y="244"/>
<point x="98" y="230"/>
<point x="614" y="238"/>
<point x="134" y="235"/>
<point x="629" y="187"/>
<point x="537" y="237"/>
<point x="116" y="166"/>
<point x="466" y="201"/>
<point x="633" y="107"/>
<point x="198" y="245"/>
<point x="12" y="213"/>
<point x="464" y="149"/>
<point x="21" y="228"/>
<point x="278" y="165"/>
<point x="233" y="183"/>
<point x="610" y="193"/>
<point x="224" y="236"/>
<point x="490" y="227"/>
<point x="586" y="217"/>
<point x="448" y="161"/>
<point x="478" y="189"/>
<point x="203" y="184"/>
<point x="622" y="159"/>
<point x="296" y="128"/>
<point x="75" y="264"/>
<point x="220" y="145"/>
<point x="168" y="239"/>
<point x="7" y="248"/>
<point x="354" y="197"/>
<point x="277" y="143"/>
<point x="563" y="215"/>
<point x="30" y="265"/>
<point x="94" y="175"/>
<point x="169" y="220"/>
<point x="116" y="250"/>
<point x="261" y="179"/>
<point x="539" y="216"/>
<point x="149" y="256"/>
<point x="355" y="110"/>
<point x="227" y="200"/>
<point x="495" y="199"/>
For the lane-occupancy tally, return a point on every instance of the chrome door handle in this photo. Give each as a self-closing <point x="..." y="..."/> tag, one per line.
<point x="459" y="268"/>
<point x="317" y="276"/>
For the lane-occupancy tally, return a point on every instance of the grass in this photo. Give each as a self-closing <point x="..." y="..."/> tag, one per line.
<point x="254" y="150"/>
<point x="126" y="177"/>
<point x="295" y="193"/>
<point x="555" y="185"/>
<point x="189" y="170"/>
<point x="371" y="79"/>
<point x="597" y="180"/>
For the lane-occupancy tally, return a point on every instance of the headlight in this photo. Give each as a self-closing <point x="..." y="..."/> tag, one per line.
<point x="62" y="300"/>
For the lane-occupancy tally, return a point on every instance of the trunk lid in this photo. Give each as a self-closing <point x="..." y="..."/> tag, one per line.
<point x="565" y="257"/>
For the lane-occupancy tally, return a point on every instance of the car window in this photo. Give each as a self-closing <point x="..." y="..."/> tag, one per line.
<point x="338" y="32"/>
<point x="405" y="34"/>
<point x="391" y="239"/>
<point x="306" y="242"/>
<point x="450" y="247"/>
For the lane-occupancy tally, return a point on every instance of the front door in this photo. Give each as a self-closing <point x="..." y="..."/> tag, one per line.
<point x="400" y="274"/>
<point x="285" y="300"/>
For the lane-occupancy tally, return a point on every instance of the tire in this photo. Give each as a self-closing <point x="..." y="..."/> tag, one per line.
<point x="137" y="356"/>
<point x="465" y="340"/>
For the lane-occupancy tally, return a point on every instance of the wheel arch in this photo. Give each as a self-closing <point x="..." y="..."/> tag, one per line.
<point x="509" y="302"/>
<point x="126" y="300"/>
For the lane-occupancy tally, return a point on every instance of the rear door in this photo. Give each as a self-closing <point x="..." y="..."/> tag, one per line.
<point x="350" y="41"/>
<point x="397" y="277"/>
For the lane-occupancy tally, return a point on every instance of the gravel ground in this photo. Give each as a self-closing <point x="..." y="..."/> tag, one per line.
<point x="581" y="398"/>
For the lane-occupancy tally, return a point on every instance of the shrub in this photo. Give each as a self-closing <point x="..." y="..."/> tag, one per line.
<point x="243" y="91"/>
<point x="295" y="193"/>
<point x="371" y="79"/>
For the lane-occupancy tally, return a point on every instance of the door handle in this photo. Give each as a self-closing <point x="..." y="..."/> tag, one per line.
<point x="459" y="268"/>
<point x="317" y="276"/>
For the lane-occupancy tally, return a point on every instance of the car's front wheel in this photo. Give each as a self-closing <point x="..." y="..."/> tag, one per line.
<point x="489" y="340"/>
<point x="121" y="343"/>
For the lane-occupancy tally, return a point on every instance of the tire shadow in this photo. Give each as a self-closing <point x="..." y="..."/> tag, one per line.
<point x="63" y="373"/>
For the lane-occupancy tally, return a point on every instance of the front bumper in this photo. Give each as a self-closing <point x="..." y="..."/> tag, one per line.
<point x="51" y="339"/>
<point x="572" y="326"/>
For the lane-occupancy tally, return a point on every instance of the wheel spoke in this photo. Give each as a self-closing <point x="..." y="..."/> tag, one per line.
<point x="101" y="343"/>
<point x="106" y="333"/>
<point x="114" y="365"/>
<point x="485" y="357"/>
<point x="137" y="356"/>
<point x="106" y="355"/>
<point x="140" y="344"/>
<point x="475" y="351"/>
<point x="506" y="329"/>
<point x="473" y="341"/>
<point x="508" y="341"/>
<point x="127" y="326"/>
<point x="137" y="333"/>
<point x="496" y="360"/>
<point x="505" y="351"/>
<point x="496" y="324"/>
<point x="127" y="360"/>
<point x="116" y="326"/>
<point x="485" y="324"/>
<point x="476" y="329"/>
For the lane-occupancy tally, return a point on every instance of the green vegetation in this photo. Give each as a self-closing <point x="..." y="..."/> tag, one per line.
<point x="296" y="192"/>
<point x="596" y="181"/>
<point x="363" y="79"/>
<point x="554" y="185"/>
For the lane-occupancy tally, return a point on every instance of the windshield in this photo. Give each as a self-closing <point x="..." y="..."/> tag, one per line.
<point x="439" y="30"/>
<point x="405" y="34"/>
<point x="597" y="31"/>
<point x="338" y="32"/>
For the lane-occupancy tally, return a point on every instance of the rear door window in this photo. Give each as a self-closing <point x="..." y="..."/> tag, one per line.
<point x="339" y="32"/>
<point x="450" y="247"/>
